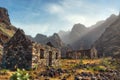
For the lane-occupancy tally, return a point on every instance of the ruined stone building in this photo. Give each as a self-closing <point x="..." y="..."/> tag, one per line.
<point x="21" y="52"/>
<point x="77" y="54"/>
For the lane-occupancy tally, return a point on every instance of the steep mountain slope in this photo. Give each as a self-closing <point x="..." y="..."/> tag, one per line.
<point x="64" y="35"/>
<point x="6" y="29"/>
<point x="109" y="42"/>
<point x="93" y="34"/>
<point x="70" y="37"/>
<point x="55" y="40"/>
<point x="97" y="24"/>
<point x="77" y="32"/>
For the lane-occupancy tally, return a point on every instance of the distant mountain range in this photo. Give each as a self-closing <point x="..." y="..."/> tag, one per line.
<point x="108" y="43"/>
<point x="54" y="39"/>
<point x="104" y="36"/>
<point x="81" y="37"/>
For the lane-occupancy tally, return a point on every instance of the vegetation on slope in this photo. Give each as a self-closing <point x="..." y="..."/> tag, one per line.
<point x="6" y="31"/>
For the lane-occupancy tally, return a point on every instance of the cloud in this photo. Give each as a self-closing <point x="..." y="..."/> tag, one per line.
<point x="54" y="8"/>
<point x="70" y="11"/>
<point x="47" y="17"/>
<point x="33" y="29"/>
<point x="75" y="18"/>
<point x="79" y="11"/>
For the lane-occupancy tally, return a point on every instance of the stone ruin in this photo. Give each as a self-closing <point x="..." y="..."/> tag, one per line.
<point x="77" y="54"/>
<point x="21" y="52"/>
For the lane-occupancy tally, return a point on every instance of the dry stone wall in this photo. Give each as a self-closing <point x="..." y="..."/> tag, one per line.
<point x="50" y="55"/>
<point x="77" y="54"/>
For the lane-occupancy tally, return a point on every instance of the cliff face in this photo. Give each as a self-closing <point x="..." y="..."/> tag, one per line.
<point x="72" y="36"/>
<point x="56" y="41"/>
<point x="6" y="29"/>
<point x="77" y="32"/>
<point x="81" y="37"/>
<point x="4" y="17"/>
<point x="93" y="34"/>
<point x="109" y="42"/>
<point x="64" y="35"/>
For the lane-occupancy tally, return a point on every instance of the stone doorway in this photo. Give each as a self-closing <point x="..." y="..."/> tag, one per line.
<point x="50" y="58"/>
<point x="56" y="56"/>
<point x="41" y="54"/>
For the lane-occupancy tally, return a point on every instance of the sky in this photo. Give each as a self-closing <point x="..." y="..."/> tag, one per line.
<point x="50" y="16"/>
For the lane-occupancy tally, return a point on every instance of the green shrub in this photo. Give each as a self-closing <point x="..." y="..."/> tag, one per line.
<point x="81" y="62"/>
<point x="105" y="62"/>
<point x="99" y="68"/>
<point x="20" y="75"/>
<point x="35" y="67"/>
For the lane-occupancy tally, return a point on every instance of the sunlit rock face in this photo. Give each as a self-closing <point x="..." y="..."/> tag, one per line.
<point x="81" y="37"/>
<point x="109" y="42"/>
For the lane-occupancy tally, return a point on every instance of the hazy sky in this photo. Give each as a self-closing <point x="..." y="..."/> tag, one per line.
<point x="49" y="16"/>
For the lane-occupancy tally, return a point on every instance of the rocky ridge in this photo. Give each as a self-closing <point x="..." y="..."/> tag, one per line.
<point x="87" y="36"/>
<point x="109" y="42"/>
<point x="6" y="28"/>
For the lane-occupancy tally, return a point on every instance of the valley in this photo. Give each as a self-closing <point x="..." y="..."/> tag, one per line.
<point x="79" y="54"/>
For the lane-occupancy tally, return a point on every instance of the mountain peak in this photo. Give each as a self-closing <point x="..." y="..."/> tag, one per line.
<point x="41" y="35"/>
<point x="55" y="35"/>
<point x="20" y="31"/>
<point x="4" y="17"/>
<point x="111" y="16"/>
<point x="78" y="26"/>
